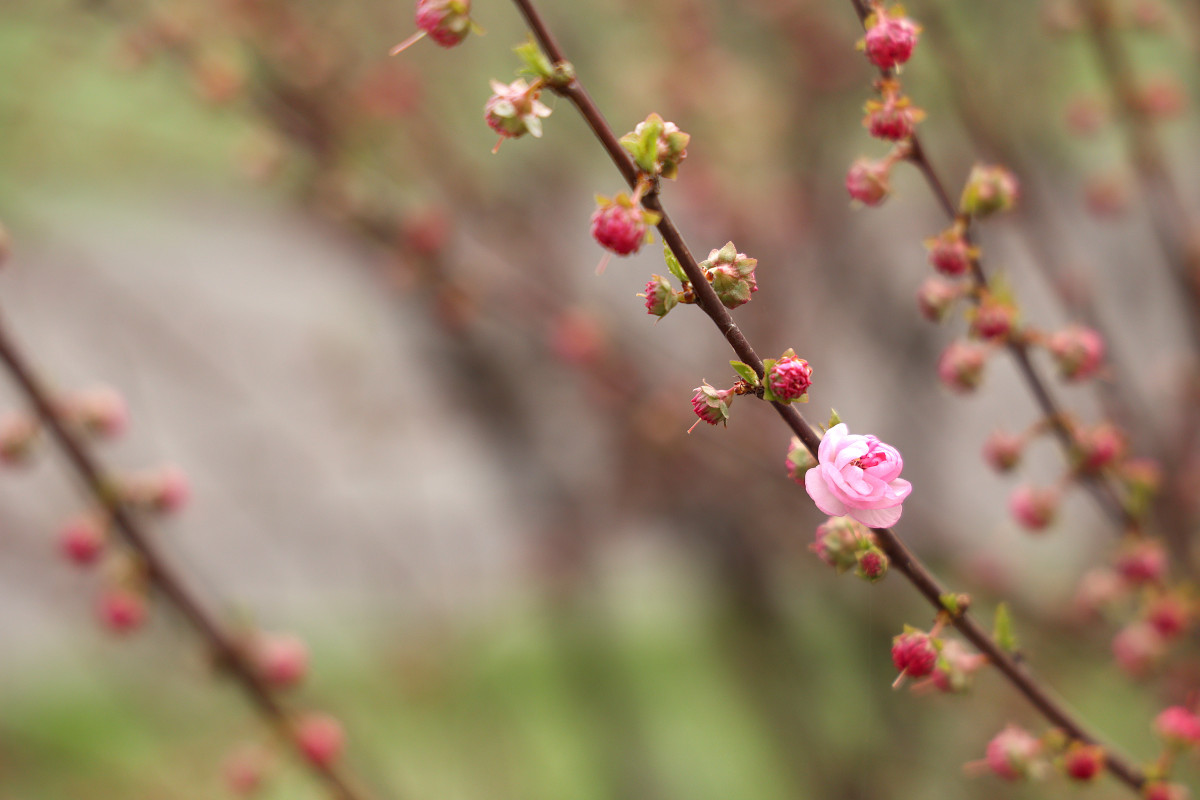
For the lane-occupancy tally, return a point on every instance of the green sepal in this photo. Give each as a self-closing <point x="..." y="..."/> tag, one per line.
<point x="536" y="62"/>
<point x="834" y="419"/>
<point x="673" y="265"/>
<point x="746" y="371"/>
<point x="1003" y="633"/>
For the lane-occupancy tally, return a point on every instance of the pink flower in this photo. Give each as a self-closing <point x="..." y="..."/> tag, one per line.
<point x="1013" y="753"/>
<point x="914" y="654"/>
<point x="121" y="610"/>
<point x="1137" y="648"/>
<point x="858" y="476"/>
<point x="1079" y="352"/>
<point x="789" y="378"/>
<point x="961" y="364"/>
<point x="1178" y="726"/>
<point x="620" y="224"/>
<point x="949" y="252"/>
<point x="446" y="21"/>
<point x="935" y="297"/>
<point x="660" y="296"/>
<point x="890" y="39"/>
<point x="282" y="659"/>
<point x="321" y="739"/>
<point x="1034" y="508"/>
<point x="1083" y="762"/>
<point x="1002" y="451"/>
<point x="867" y="181"/>
<point x="82" y="539"/>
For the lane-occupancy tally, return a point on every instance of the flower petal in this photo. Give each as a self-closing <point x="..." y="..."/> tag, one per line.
<point x="817" y="488"/>
<point x="877" y="517"/>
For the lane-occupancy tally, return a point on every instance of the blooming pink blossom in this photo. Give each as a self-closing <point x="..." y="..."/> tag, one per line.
<point x="858" y="476"/>
<point x="514" y="110"/>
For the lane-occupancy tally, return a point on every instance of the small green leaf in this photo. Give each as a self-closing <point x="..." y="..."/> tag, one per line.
<point x="1003" y="633"/>
<point x="949" y="602"/>
<point x="834" y="419"/>
<point x="746" y="371"/>
<point x="536" y="63"/>
<point x="673" y="264"/>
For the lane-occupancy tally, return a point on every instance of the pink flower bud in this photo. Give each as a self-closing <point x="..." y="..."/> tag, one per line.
<point x="321" y="738"/>
<point x="890" y="39"/>
<point x="1143" y="561"/>
<point x="18" y="433"/>
<point x="949" y="253"/>
<point x="1034" y="508"/>
<point x="914" y="654"/>
<point x="799" y="460"/>
<point x="960" y="367"/>
<point x="660" y="296"/>
<point x="1085" y="116"/>
<point x="122" y="610"/>
<point x="838" y="541"/>
<point x="1161" y="98"/>
<point x="867" y="181"/>
<point x="956" y="667"/>
<point x="101" y="410"/>
<point x="989" y="189"/>
<point x="895" y="117"/>
<point x="1002" y="451"/>
<point x="447" y="22"/>
<point x="1178" y="726"/>
<point x="244" y="769"/>
<point x="657" y="146"/>
<point x="1083" y="762"/>
<point x="282" y="659"/>
<point x="1169" y="614"/>
<point x="1078" y="351"/>
<point x="1098" y="589"/>
<point x="169" y="489"/>
<point x="82" y="539"/>
<point x="620" y="225"/>
<point x="514" y="110"/>
<point x="1137" y="648"/>
<point x="935" y="298"/>
<point x="872" y="564"/>
<point x="1161" y="790"/>
<point x="789" y="378"/>
<point x="1014" y="753"/>
<point x="731" y="274"/>
<point x="1099" y="447"/>
<point x="993" y="320"/>
<point x="712" y="405"/>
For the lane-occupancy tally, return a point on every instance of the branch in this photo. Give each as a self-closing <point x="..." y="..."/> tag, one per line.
<point x="227" y="653"/>
<point x="902" y="558"/>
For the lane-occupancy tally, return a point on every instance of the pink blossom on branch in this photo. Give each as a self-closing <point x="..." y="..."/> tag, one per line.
<point x="858" y="476"/>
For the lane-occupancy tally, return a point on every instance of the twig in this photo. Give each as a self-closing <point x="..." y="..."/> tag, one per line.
<point x="227" y="654"/>
<point x="902" y="559"/>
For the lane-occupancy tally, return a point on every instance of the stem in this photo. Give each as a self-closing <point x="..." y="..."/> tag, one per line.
<point x="228" y="655"/>
<point x="902" y="558"/>
<point x="1100" y="488"/>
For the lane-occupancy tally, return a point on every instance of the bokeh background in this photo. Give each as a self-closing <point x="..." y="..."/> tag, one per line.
<point x="425" y="435"/>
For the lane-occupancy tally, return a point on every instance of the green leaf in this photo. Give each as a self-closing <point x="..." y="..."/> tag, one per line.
<point x="673" y="264"/>
<point x="746" y="371"/>
<point x="949" y="601"/>
<point x="536" y="63"/>
<point x="834" y="419"/>
<point x="1003" y="633"/>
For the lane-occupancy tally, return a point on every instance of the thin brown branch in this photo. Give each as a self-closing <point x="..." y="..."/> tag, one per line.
<point x="1100" y="487"/>
<point x="902" y="558"/>
<point x="227" y="654"/>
